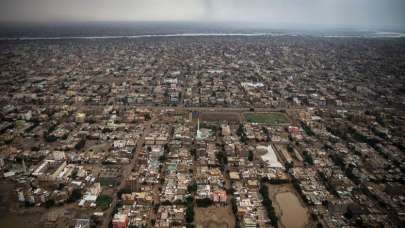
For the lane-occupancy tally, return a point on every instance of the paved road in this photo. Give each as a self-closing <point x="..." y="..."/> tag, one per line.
<point x="126" y="172"/>
<point x="182" y="108"/>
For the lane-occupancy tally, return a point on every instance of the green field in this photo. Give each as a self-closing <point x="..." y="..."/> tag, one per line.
<point x="104" y="201"/>
<point x="272" y="118"/>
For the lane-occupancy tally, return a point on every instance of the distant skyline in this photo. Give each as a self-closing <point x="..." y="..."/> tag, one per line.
<point x="351" y="13"/>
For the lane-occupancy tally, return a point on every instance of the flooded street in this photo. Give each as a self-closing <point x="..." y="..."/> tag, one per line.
<point x="290" y="210"/>
<point x="7" y="204"/>
<point x="293" y="214"/>
<point x="16" y="221"/>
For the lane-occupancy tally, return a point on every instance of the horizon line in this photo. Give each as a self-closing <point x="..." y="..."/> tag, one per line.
<point x="255" y="24"/>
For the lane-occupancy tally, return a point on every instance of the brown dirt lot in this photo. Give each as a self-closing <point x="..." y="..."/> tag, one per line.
<point x="220" y="117"/>
<point x="7" y="196"/>
<point x="214" y="217"/>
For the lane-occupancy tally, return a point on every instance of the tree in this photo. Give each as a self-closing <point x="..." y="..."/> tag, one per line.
<point x="192" y="187"/>
<point x="348" y="214"/>
<point x="230" y="191"/>
<point x="307" y="129"/>
<point x="189" y="210"/>
<point x="241" y="133"/>
<point x="49" y="203"/>
<point x="28" y="204"/>
<point x="206" y="202"/>
<point x="250" y="155"/>
<point x="290" y="148"/>
<point x="194" y="153"/>
<point x="268" y="204"/>
<point x="234" y="206"/>
<point x="190" y="214"/>
<point x="162" y="158"/>
<point x="289" y="165"/>
<point x="148" y="117"/>
<point x="104" y="201"/>
<point x="80" y="144"/>
<point x="308" y="158"/>
<point x="76" y="195"/>
<point x="222" y="159"/>
<point x="50" y="138"/>
<point x="123" y="191"/>
<point x="106" y="130"/>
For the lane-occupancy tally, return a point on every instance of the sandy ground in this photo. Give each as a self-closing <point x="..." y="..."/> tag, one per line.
<point x="214" y="217"/>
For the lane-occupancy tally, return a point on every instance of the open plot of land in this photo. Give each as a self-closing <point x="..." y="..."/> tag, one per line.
<point x="214" y="217"/>
<point x="220" y="117"/>
<point x="272" y="118"/>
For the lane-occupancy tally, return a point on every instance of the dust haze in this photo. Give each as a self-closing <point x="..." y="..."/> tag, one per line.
<point x="353" y="13"/>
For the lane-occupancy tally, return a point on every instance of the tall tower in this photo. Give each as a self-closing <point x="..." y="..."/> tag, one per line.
<point x="198" y="129"/>
<point x="24" y="167"/>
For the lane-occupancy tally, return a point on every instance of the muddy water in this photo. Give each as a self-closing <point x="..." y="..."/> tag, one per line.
<point x="290" y="209"/>
<point x="8" y="202"/>
<point x="15" y="221"/>
<point x="293" y="214"/>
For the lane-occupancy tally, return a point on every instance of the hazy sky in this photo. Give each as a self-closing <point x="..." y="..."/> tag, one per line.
<point x="323" y="12"/>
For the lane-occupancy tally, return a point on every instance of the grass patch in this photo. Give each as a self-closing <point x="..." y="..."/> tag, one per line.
<point x="107" y="182"/>
<point x="104" y="201"/>
<point x="20" y="124"/>
<point x="272" y="118"/>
